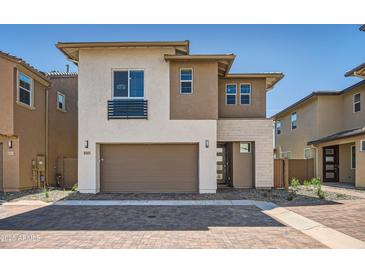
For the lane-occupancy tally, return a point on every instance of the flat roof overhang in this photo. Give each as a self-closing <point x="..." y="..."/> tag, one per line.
<point x="339" y="136"/>
<point x="272" y="78"/>
<point x="225" y="61"/>
<point x="71" y="49"/>
<point x="359" y="71"/>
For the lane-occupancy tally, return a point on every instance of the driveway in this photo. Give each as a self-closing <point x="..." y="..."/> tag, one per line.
<point x="55" y="226"/>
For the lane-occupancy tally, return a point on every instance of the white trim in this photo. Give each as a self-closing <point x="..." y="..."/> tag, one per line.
<point x="354" y="103"/>
<point x="249" y="94"/>
<point x="63" y="109"/>
<point x="31" y="91"/>
<point x="235" y="95"/>
<point x="129" y="78"/>
<point x="185" y="81"/>
<point x="361" y="141"/>
<point x="296" y="120"/>
<point x="351" y="163"/>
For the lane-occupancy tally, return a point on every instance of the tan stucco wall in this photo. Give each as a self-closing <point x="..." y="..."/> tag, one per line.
<point x="242" y="167"/>
<point x="296" y="140"/>
<point x="329" y="115"/>
<point x="10" y="164"/>
<point x="351" y="119"/>
<point x="6" y="96"/>
<point x="257" y="109"/>
<point x="203" y="102"/>
<point x="62" y="126"/>
<point x="259" y="132"/>
<point x="347" y="175"/>
<point x="360" y="164"/>
<point x="29" y="126"/>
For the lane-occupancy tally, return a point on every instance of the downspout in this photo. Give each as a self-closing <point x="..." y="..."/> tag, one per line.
<point x="46" y="141"/>
<point x="316" y="163"/>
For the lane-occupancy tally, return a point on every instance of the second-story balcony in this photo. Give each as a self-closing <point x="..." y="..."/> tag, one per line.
<point x="128" y="109"/>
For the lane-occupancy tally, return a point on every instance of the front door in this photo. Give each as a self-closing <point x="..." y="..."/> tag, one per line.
<point x="221" y="164"/>
<point x="330" y="164"/>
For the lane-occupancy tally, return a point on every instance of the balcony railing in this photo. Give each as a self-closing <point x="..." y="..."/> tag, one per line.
<point x="127" y="109"/>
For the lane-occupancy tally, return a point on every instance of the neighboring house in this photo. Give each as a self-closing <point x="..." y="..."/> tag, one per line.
<point x="329" y="127"/>
<point x="32" y="138"/>
<point x="62" y="129"/>
<point x="153" y="118"/>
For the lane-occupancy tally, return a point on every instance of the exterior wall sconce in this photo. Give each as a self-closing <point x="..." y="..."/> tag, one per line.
<point x="86" y="144"/>
<point x="207" y="143"/>
<point x="10" y="144"/>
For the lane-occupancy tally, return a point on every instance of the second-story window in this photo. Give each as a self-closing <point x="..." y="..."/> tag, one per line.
<point x="278" y="127"/>
<point x="245" y="94"/>
<point x="186" y="80"/>
<point x="61" y="101"/>
<point x="357" y="103"/>
<point x="25" y="89"/>
<point x="231" y="92"/>
<point x="128" y="84"/>
<point x="294" y="120"/>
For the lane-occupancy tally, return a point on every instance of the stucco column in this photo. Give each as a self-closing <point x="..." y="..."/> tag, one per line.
<point x="360" y="164"/>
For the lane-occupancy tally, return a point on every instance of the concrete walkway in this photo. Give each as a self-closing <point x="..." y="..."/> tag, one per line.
<point x="344" y="190"/>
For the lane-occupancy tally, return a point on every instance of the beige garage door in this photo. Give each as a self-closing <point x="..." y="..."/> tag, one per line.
<point x="1" y="166"/>
<point x="149" y="168"/>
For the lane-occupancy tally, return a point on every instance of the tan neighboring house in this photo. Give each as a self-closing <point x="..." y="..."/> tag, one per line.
<point x="329" y="127"/>
<point x="155" y="118"/>
<point x="24" y="123"/>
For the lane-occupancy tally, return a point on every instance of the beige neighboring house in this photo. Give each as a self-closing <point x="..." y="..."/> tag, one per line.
<point x="155" y="118"/>
<point x="329" y="127"/>
<point x="25" y="93"/>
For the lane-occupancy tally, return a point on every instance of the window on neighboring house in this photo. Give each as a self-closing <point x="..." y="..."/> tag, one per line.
<point x="186" y="80"/>
<point x="61" y="101"/>
<point x="278" y="127"/>
<point x="128" y="84"/>
<point x="308" y="153"/>
<point x="286" y="154"/>
<point x="357" y="103"/>
<point x="245" y="147"/>
<point x="294" y="120"/>
<point x="245" y="94"/>
<point x="231" y="92"/>
<point x="25" y="90"/>
<point x="353" y="157"/>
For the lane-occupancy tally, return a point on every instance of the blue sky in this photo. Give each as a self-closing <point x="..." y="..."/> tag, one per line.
<point x="312" y="57"/>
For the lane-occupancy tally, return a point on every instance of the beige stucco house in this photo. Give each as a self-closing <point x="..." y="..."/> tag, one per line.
<point x="155" y="118"/>
<point x="29" y="108"/>
<point x="329" y="127"/>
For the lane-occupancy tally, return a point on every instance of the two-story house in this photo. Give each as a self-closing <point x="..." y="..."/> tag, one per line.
<point x="29" y="109"/>
<point x="154" y="118"/>
<point x="329" y="127"/>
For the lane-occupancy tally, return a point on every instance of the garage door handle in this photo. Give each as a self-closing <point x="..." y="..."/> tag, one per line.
<point x="101" y="160"/>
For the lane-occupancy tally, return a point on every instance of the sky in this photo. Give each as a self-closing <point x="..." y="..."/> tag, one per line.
<point x="312" y="57"/>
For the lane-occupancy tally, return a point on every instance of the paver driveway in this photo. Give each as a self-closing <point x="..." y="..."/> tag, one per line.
<point x="145" y="227"/>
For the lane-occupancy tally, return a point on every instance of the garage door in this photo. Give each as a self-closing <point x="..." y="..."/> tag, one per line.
<point x="149" y="168"/>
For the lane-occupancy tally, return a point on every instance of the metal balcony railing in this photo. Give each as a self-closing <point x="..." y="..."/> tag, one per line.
<point x="128" y="109"/>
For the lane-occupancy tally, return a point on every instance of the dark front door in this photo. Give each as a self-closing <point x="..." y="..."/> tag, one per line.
<point x="330" y="164"/>
<point x="221" y="164"/>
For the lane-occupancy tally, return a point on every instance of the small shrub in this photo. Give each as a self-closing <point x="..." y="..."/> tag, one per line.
<point x="320" y="193"/>
<point x="316" y="181"/>
<point x="294" y="183"/>
<point x="46" y="193"/>
<point x="307" y="183"/>
<point x="74" y="188"/>
<point x="290" y="197"/>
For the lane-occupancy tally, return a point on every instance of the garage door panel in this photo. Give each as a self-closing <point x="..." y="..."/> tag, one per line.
<point x="149" y="168"/>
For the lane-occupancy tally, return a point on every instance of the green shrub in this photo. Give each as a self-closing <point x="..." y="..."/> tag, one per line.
<point x="320" y="193"/>
<point x="46" y="193"/>
<point x="294" y="183"/>
<point x="74" y="188"/>
<point x="307" y="183"/>
<point x="316" y="181"/>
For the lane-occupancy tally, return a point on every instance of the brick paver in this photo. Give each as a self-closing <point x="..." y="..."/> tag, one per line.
<point x="346" y="216"/>
<point x="145" y="227"/>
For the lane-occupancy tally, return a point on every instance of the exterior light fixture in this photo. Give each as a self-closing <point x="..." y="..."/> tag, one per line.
<point x="87" y="144"/>
<point x="10" y="144"/>
<point x="207" y="143"/>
